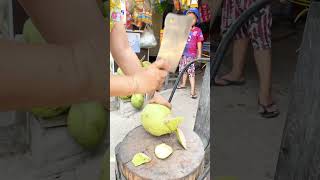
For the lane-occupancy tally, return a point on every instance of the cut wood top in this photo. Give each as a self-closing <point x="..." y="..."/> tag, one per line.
<point x="180" y="164"/>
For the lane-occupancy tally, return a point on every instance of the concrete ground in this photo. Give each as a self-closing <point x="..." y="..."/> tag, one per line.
<point x="20" y="166"/>
<point x="246" y="145"/>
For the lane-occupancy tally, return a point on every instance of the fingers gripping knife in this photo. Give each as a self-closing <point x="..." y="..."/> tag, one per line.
<point x="175" y="36"/>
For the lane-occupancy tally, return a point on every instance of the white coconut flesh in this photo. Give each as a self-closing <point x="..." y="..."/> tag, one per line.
<point x="181" y="138"/>
<point x="163" y="151"/>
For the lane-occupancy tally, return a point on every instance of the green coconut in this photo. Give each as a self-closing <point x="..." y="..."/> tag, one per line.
<point x="120" y="72"/>
<point x="146" y="64"/>
<point x="137" y="101"/>
<point x="87" y="124"/>
<point x="48" y="113"/>
<point x="31" y="34"/>
<point x="157" y="120"/>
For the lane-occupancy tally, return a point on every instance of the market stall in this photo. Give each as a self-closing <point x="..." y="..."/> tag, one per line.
<point x="145" y="20"/>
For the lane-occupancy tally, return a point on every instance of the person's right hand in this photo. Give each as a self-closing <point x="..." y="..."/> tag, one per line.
<point x="152" y="78"/>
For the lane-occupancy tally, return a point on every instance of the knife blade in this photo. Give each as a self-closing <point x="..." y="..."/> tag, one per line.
<point x="175" y="36"/>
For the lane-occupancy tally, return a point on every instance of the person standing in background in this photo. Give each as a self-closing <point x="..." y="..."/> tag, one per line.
<point x="257" y="32"/>
<point x="192" y="51"/>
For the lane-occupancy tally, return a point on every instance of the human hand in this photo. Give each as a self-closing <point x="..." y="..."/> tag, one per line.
<point x="152" y="78"/>
<point x="158" y="99"/>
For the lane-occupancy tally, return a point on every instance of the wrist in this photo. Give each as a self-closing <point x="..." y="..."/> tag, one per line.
<point x="133" y="85"/>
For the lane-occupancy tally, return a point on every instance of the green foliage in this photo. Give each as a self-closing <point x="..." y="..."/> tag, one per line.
<point x="161" y="7"/>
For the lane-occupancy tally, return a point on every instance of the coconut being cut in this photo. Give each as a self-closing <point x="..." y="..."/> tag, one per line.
<point x="158" y="120"/>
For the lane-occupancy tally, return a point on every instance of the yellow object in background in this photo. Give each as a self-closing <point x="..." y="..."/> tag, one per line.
<point x="188" y="2"/>
<point x="194" y="4"/>
<point x="161" y="34"/>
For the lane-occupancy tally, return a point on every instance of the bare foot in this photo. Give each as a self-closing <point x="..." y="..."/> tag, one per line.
<point x="229" y="79"/>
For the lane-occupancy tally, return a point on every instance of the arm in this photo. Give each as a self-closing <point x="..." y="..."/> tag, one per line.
<point x="70" y="69"/>
<point x="128" y="62"/>
<point x="145" y="81"/>
<point x="122" y="53"/>
<point x="121" y="85"/>
<point x="199" y="44"/>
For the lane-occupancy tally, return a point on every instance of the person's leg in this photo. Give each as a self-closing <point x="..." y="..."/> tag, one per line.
<point x="268" y="108"/>
<point x="230" y="14"/>
<point x="193" y="85"/>
<point x="182" y="64"/>
<point x="238" y="62"/>
<point x="192" y="79"/>
<point x="263" y="62"/>
<point x="184" y="80"/>
<point x="260" y="34"/>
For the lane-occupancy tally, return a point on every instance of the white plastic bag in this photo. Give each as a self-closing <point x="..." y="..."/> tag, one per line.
<point x="148" y="40"/>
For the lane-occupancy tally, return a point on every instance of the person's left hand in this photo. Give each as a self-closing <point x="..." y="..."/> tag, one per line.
<point x="158" y="99"/>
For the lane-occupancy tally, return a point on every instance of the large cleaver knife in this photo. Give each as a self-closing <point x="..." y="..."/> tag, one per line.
<point x="175" y="37"/>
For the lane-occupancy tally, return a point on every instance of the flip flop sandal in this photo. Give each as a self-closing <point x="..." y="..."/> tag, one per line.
<point x="230" y="83"/>
<point x="194" y="96"/>
<point x="268" y="114"/>
<point x="181" y="87"/>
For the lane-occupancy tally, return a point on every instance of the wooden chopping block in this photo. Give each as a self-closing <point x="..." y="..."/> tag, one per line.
<point x="181" y="164"/>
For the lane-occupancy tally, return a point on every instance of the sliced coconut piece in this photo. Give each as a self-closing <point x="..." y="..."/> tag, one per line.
<point x="163" y="151"/>
<point x="140" y="158"/>
<point x="181" y="138"/>
<point x="173" y="122"/>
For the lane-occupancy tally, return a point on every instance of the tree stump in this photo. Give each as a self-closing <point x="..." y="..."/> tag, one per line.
<point x="181" y="164"/>
<point x="299" y="156"/>
<point x="202" y="123"/>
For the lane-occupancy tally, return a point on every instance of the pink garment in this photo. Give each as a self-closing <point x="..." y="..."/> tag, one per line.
<point x="184" y="61"/>
<point x="205" y="12"/>
<point x="191" y="48"/>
